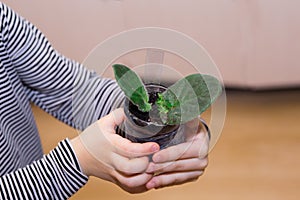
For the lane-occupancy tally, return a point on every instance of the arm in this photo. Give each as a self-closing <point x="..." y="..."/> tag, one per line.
<point x="60" y="86"/>
<point x="29" y="59"/>
<point x="66" y="169"/>
<point x="55" y="176"/>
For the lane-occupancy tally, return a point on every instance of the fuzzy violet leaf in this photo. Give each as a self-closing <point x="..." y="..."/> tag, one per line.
<point x="132" y="86"/>
<point x="188" y="98"/>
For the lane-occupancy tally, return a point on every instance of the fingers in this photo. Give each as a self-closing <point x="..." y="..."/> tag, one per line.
<point x="134" y="181"/>
<point x="122" y="145"/>
<point x="197" y="148"/>
<point x="165" y="180"/>
<point x="116" y="117"/>
<point x="105" y="130"/>
<point x="129" y="166"/>
<point x="194" y="164"/>
<point x="130" y="149"/>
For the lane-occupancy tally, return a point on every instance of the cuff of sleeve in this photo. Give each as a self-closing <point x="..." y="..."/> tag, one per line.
<point x="67" y="147"/>
<point x="59" y="172"/>
<point x="71" y="163"/>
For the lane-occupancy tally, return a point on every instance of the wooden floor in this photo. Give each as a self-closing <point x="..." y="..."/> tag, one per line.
<point x="256" y="157"/>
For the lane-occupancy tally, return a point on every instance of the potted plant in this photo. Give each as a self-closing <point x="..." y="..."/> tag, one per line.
<point x="156" y="113"/>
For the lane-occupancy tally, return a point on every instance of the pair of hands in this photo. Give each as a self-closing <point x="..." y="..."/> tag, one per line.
<point x="104" y="154"/>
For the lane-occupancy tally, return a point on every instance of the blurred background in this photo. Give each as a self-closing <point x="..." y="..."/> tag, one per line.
<point x="256" y="47"/>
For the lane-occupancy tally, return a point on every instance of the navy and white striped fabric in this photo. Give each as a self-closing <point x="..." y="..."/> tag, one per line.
<point x="32" y="71"/>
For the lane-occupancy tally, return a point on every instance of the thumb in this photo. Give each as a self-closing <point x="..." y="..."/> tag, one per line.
<point x="113" y="119"/>
<point x="122" y="145"/>
<point x="101" y="134"/>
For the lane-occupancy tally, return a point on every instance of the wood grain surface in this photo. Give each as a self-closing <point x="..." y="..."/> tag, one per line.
<point x="256" y="157"/>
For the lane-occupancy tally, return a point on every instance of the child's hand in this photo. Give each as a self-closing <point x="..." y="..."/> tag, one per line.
<point x="104" y="154"/>
<point x="183" y="162"/>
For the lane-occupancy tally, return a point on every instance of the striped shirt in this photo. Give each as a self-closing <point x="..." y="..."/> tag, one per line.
<point x="31" y="70"/>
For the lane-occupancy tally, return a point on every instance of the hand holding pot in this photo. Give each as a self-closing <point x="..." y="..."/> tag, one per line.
<point x="108" y="156"/>
<point x="181" y="163"/>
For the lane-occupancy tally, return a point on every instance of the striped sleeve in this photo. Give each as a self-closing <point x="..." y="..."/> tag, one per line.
<point x="55" y="176"/>
<point x="60" y="86"/>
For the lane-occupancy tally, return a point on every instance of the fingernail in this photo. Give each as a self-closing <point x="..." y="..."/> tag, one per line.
<point x="151" y="185"/>
<point x="154" y="148"/>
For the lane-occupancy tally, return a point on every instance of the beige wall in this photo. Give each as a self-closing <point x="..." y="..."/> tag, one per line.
<point x="255" y="43"/>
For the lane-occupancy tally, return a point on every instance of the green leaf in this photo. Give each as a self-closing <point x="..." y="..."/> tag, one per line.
<point x="188" y="98"/>
<point x="132" y="86"/>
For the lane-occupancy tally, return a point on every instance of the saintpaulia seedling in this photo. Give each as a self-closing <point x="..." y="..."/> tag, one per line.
<point x="181" y="102"/>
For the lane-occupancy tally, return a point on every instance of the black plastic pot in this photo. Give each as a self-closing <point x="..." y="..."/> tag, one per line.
<point x="146" y="127"/>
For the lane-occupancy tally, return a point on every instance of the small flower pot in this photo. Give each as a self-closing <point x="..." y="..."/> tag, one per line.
<point x="146" y="126"/>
